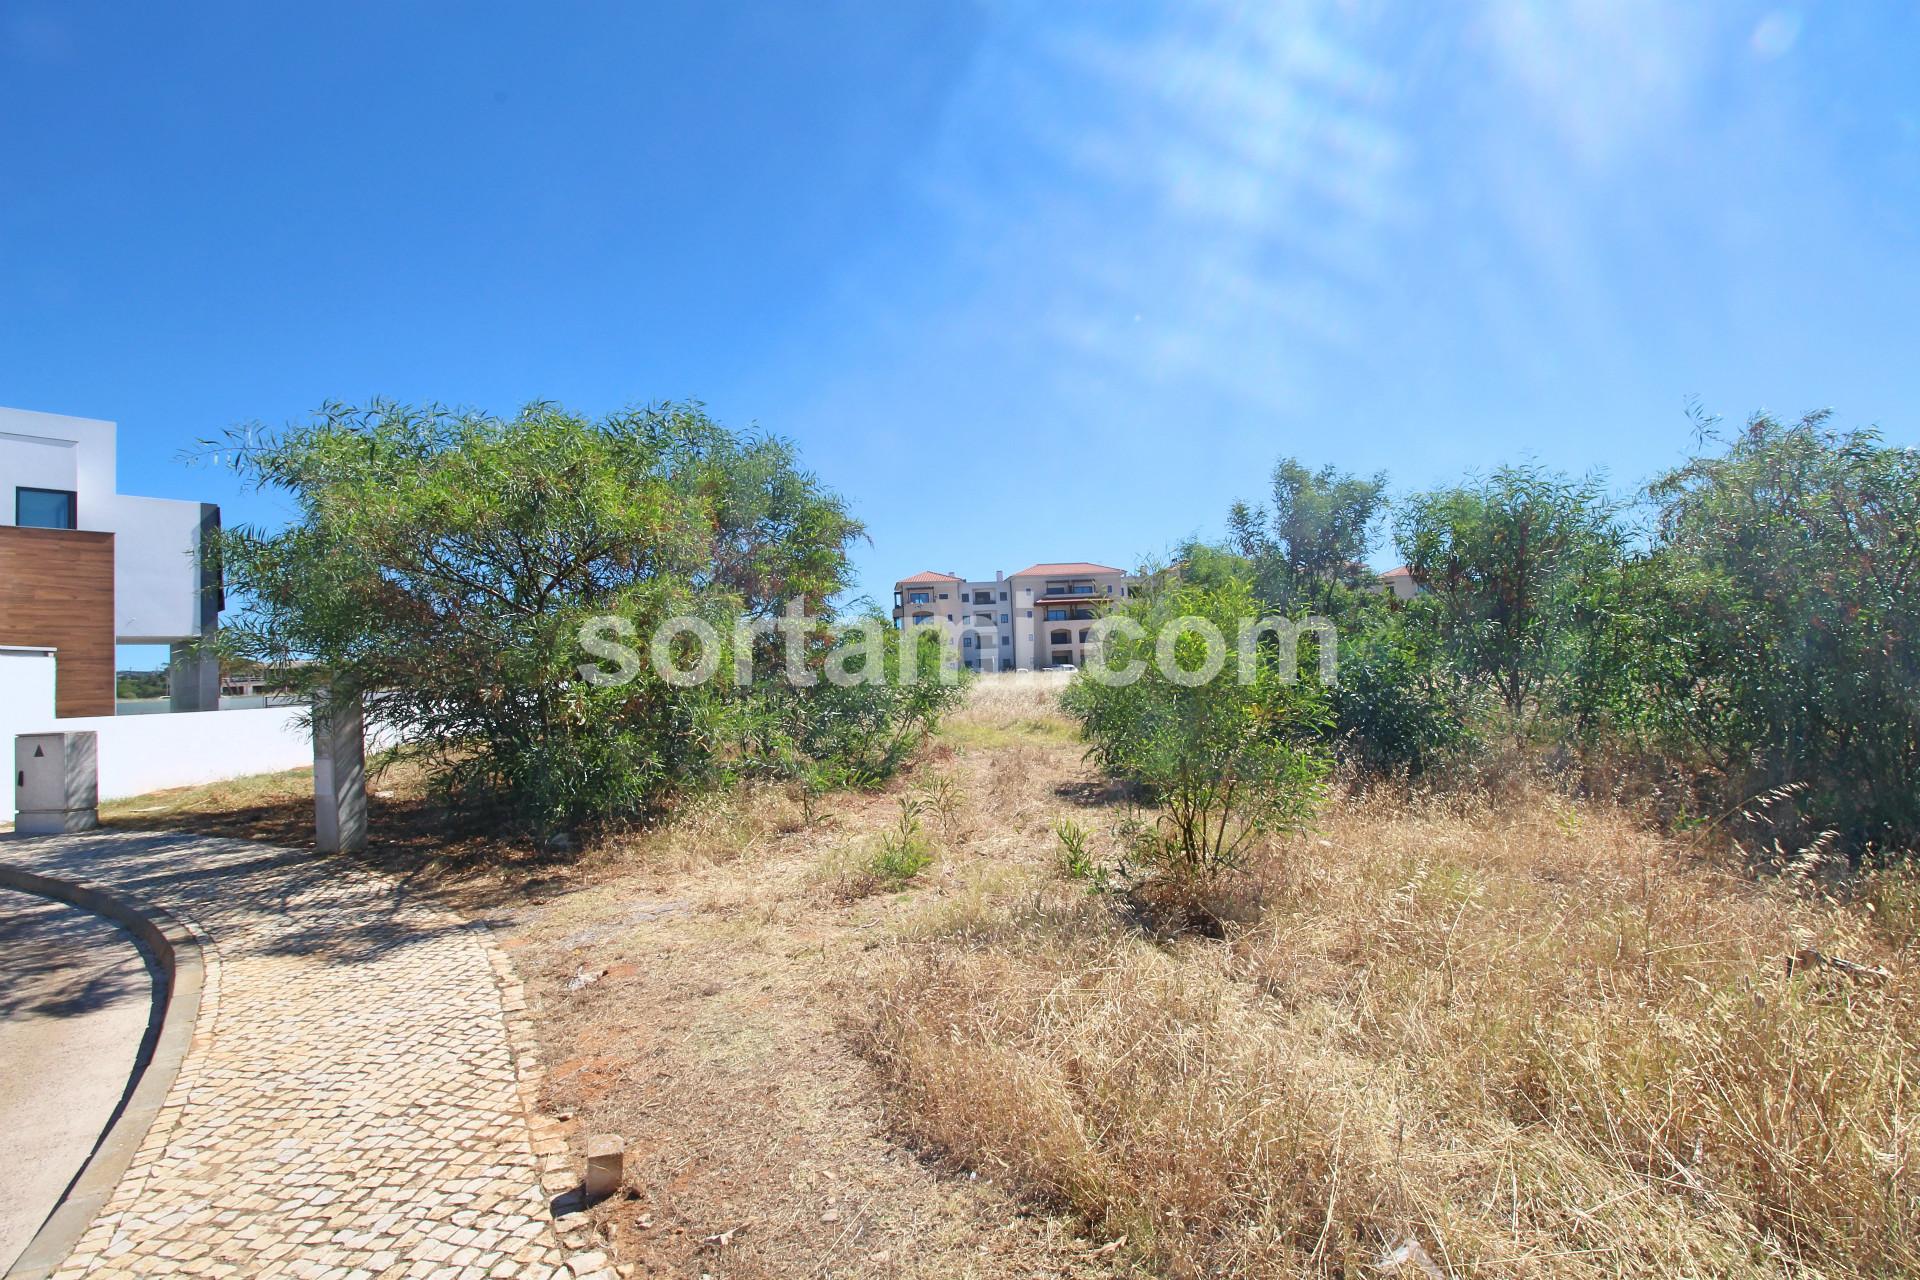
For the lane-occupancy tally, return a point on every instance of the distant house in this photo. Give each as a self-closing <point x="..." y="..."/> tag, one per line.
<point x="1038" y="617"/>
<point x="251" y="680"/>
<point x="1399" y="583"/>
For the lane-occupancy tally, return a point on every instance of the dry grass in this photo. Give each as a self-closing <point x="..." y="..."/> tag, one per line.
<point x="258" y="794"/>
<point x="1531" y="1040"/>
<point x="1528" y="1037"/>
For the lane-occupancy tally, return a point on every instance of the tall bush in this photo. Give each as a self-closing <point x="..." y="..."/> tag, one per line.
<point x="1786" y="587"/>
<point x="446" y="563"/>
<point x="1226" y="759"/>
<point x="859" y="733"/>
<point x="1503" y="559"/>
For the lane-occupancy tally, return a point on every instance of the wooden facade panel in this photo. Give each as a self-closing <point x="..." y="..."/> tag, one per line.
<point x="56" y="588"/>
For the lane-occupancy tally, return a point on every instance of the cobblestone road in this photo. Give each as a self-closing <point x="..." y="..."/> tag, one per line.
<point x="357" y="1100"/>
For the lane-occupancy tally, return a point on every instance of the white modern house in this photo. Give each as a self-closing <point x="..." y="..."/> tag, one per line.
<point x="84" y="567"/>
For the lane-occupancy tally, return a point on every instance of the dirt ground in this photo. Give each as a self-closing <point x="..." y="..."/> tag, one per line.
<point x="724" y="990"/>
<point x="697" y="993"/>
<point x="701" y="1010"/>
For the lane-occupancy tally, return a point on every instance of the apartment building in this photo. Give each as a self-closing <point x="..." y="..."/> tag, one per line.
<point x="1037" y="618"/>
<point x="84" y="566"/>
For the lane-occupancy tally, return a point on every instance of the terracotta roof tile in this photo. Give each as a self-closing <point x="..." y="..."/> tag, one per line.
<point x="1076" y="568"/>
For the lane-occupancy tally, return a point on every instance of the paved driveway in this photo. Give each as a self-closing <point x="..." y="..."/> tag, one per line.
<point x="357" y="1100"/>
<point x="75" y="995"/>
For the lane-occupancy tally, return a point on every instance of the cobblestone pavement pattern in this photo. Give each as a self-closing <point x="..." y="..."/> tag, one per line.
<point x="358" y="1100"/>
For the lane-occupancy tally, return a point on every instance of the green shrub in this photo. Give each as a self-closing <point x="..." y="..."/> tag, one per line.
<point x="1760" y="637"/>
<point x="1396" y="708"/>
<point x="1076" y="858"/>
<point x="1786" y="625"/>
<point x="1226" y="760"/>
<point x="904" y="851"/>
<point x="858" y="734"/>
<point x="448" y="565"/>
<point x="1501" y="560"/>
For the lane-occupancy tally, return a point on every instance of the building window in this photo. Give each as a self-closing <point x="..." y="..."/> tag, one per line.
<point x="1003" y="597"/>
<point x="1056" y="615"/>
<point x="1060" y="637"/>
<point x="1005" y="641"/>
<point x="45" y="508"/>
<point x="919" y="597"/>
<point x="966" y="641"/>
<point x="1004" y="619"/>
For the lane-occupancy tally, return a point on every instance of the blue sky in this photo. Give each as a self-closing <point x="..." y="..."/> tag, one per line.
<point x="1024" y="281"/>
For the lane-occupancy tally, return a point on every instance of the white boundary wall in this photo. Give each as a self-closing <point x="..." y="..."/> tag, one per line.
<point x="139" y="754"/>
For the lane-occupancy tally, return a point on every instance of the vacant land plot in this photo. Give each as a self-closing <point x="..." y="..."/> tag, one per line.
<point x="904" y="1034"/>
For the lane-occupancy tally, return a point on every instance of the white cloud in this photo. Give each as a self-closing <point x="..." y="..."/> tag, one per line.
<point x="1774" y="35"/>
<point x="1608" y="74"/>
<point x="1190" y="209"/>
<point x="1191" y="201"/>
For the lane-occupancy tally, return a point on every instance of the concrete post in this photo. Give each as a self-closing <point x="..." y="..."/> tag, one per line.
<point x="193" y="679"/>
<point x="339" y="774"/>
<point x="56" y="783"/>
<point x="606" y="1152"/>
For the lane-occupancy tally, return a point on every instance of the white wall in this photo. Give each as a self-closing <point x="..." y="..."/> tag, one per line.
<point x="34" y="462"/>
<point x="87" y="441"/>
<point x="139" y="754"/>
<point x="26" y="689"/>
<point x="156" y="569"/>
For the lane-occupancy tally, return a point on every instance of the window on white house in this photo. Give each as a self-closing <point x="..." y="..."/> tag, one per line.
<point x="45" y="508"/>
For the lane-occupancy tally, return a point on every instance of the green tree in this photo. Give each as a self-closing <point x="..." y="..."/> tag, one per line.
<point x="445" y="563"/>
<point x="1226" y="759"/>
<point x="1503" y="559"/>
<point x="1783" y="623"/>
<point x="1314" y="536"/>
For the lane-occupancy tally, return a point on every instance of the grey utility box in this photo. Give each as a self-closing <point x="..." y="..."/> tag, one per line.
<point x="55" y="783"/>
